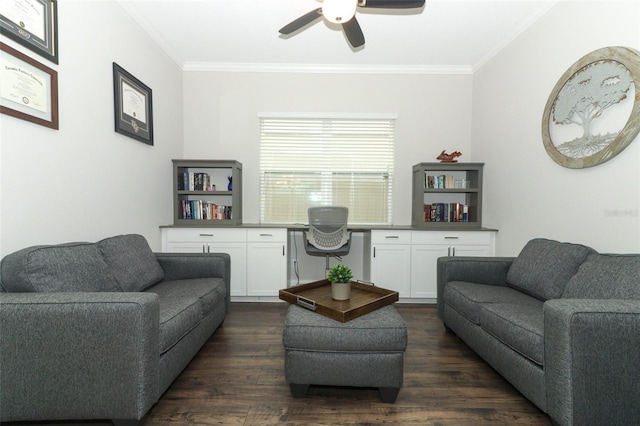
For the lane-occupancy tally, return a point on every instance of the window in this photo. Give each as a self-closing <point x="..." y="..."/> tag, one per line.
<point x="307" y="162"/>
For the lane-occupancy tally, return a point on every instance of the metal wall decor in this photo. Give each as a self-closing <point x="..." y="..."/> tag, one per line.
<point x="593" y="112"/>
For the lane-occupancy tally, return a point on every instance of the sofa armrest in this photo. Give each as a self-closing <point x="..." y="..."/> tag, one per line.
<point x="481" y="270"/>
<point x="78" y="355"/>
<point x="592" y="361"/>
<point x="182" y="266"/>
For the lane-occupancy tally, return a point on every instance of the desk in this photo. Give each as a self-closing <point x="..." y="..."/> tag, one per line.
<point x="265" y="259"/>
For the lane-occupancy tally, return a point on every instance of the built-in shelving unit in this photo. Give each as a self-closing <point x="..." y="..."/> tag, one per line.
<point x="447" y="195"/>
<point x="202" y="195"/>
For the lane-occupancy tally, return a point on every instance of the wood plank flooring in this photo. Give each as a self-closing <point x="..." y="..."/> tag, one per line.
<point x="237" y="378"/>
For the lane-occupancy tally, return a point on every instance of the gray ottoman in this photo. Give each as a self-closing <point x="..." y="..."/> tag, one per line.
<point x="365" y="352"/>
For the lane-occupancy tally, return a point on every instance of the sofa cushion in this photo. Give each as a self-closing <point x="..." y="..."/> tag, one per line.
<point x="519" y="326"/>
<point x="604" y="276"/>
<point x="131" y="261"/>
<point x="183" y="304"/>
<point x="467" y="298"/>
<point x="72" y="267"/>
<point x="544" y="267"/>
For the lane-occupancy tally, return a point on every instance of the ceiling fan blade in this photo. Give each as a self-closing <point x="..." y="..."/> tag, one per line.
<point x="391" y="4"/>
<point x="301" y="21"/>
<point x="354" y="32"/>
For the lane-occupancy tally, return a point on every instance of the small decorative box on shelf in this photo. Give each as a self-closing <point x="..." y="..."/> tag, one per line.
<point x="316" y="296"/>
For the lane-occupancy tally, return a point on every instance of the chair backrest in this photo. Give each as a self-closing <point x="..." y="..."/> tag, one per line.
<point x="328" y="227"/>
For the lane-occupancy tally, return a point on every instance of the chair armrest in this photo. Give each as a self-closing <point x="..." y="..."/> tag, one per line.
<point x="78" y="355"/>
<point x="592" y="361"/>
<point x="183" y="266"/>
<point x="481" y="270"/>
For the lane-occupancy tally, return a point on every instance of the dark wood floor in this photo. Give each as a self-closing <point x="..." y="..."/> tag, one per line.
<point x="238" y="379"/>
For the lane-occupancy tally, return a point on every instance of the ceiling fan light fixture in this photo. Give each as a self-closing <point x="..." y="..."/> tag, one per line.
<point x="339" y="11"/>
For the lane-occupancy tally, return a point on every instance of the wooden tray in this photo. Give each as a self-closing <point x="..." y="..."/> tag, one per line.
<point x="316" y="296"/>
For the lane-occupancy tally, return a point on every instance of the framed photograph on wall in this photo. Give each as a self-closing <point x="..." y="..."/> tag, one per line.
<point x="132" y="106"/>
<point x="28" y="89"/>
<point x="32" y="23"/>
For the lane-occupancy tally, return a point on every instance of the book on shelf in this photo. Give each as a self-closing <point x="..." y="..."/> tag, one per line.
<point x="190" y="181"/>
<point x="204" y="210"/>
<point x="443" y="182"/>
<point x="445" y="212"/>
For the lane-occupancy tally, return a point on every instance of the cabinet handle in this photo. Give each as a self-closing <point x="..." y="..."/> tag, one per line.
<point x="266" y="235"/>
<point x="283" y="250"/>
<point x="453" y="249"/>
<point x="391" y="236"/>
<point x="374" y="252"/>
<point x="451" y="238"/>
<point x="203" y="248"/>
<point x="206" y="235"/>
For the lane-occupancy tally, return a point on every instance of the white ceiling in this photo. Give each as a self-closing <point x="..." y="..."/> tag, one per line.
<point x="445" y="36"/>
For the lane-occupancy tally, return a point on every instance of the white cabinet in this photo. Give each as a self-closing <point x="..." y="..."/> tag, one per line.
<point x="428" y="246"/>
<point x="266" y="261"/>
<point x="390" y="260"/>
<point x="213" y="240"/>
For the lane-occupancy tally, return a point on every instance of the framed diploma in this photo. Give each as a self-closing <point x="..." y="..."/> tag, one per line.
<point x="28" y="89"/>
<point x="32" y="23"/>
<point x="132" y="106"/>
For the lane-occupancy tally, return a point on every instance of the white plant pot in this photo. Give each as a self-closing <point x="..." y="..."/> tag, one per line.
<point x="340" y="291"/>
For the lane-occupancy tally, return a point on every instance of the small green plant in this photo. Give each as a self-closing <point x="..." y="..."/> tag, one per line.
<point x="339" y="274"/>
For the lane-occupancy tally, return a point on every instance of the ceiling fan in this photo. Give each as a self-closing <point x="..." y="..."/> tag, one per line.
<point x="343" y="12"/>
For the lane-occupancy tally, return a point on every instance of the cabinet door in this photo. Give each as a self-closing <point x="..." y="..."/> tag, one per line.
<point x="237" y="252"/>
<point x="424" y="269"/>
<point x="266" y="268"/>
<point x="391" y="267"/>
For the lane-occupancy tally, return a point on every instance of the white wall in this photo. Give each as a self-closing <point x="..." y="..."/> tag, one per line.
<point x="221" y="117"/>
<point x="84" y="181"/>
<point x="526" y="193"/>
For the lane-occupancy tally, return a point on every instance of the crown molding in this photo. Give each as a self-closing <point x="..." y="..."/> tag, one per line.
<point x="544" y="9"/>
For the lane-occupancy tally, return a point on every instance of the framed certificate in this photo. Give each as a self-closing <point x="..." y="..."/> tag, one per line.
<point x="28" y="89"/>
<point x="132" y="106"/>
<point x="32" y="23"/>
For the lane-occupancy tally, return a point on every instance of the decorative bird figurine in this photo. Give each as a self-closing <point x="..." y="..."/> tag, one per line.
<point x="448" y="158"/>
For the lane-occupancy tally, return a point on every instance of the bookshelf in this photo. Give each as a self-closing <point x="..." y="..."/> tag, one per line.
<point x="447" y="195"/>
<point x="201" y="196"/>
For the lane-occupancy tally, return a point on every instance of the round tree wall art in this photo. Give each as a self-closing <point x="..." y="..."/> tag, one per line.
<point x="593" y="112"/>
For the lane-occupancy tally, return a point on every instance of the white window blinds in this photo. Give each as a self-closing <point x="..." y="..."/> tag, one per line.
<point x="308" y="162"/>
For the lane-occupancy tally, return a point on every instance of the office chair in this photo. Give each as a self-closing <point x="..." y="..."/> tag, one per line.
<point x="328" y="235"/>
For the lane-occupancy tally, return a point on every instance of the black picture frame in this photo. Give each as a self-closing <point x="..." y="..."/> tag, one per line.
<point x="30" y="89"/>
<point x="133" y="106"/>
<point x="37" y="31"/>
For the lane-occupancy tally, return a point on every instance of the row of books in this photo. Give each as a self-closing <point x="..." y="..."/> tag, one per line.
<point x="446" y="212"/>
<point x="189" y="181"/>
<point x="204" y="210"/>
<point x="443" y="182"/>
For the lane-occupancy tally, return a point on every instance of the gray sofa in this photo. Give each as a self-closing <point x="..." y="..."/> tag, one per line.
<point x="100" y="330"/>
<point x="560" y="322"/>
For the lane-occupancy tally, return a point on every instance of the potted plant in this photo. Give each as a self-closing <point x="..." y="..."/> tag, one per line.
<point x="340" y="278"/>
